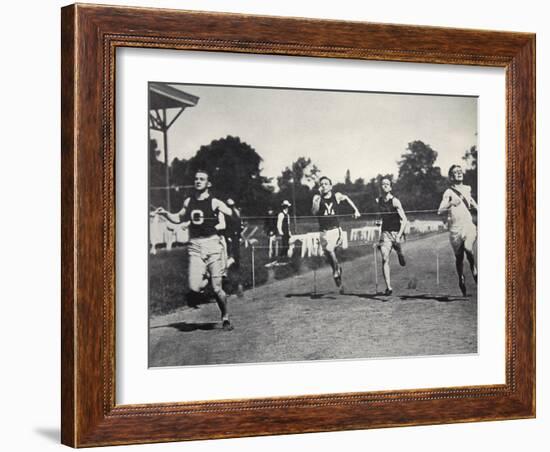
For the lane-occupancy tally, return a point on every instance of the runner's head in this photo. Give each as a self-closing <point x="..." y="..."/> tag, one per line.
<point x="325" y="185"/>
<point x="385" y="185"/>
<point x="202" y="180"/>
<point x="456" y="174"/>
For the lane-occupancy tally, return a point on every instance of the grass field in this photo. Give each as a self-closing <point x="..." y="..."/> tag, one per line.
<point x="303" y="317"/>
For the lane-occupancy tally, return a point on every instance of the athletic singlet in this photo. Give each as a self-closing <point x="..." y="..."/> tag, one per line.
<point x="391" y="221"/>
<point x="459" y="216"/>
<point x="202" y="217"/>
<point x="328" y="211"/>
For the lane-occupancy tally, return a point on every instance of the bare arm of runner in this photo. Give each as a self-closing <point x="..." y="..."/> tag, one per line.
<point x="221" y="206"/>
<point x="316" y="204"/>
<point x="401" y="212"/>
<point x="220" y="225"/>
<point x="356" y="213"/>
<point x="175" y="217"/>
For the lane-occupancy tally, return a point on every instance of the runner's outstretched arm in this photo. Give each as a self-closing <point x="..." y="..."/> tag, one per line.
<point x="175" y="217"/>
<point x="356" y="213"/>
<point x="222" y="207"/>
<point x="316" y="204"/>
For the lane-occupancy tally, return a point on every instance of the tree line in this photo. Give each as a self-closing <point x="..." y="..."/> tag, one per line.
<point x="235" y="169"/>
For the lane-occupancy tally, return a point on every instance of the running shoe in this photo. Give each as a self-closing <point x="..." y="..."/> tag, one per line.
<point x="226" y="325"/>
<point x="338" y="276"/>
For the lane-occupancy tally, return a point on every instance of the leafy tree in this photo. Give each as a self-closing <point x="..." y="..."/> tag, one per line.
<point x="420" y="182"/>
<point x="157" y="176"/>
<point x="235" y="172"/>
<point x="470" y="170"/>
<point x="296" y="183"/>
<point x="359" y="184"/>
<point x="470" y="157"/>
<point x="347" y="180"/>
<point x="157" y="173"/>
<point x="301" y="172"/>
<point x="180" y="177"/>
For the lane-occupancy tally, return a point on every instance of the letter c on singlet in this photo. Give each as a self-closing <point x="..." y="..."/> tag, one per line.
<point x="197" y="216"/>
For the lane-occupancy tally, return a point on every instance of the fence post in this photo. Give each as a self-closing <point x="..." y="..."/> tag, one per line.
<point x="253" y="272"/>
<point x="375" y="267"/>
<point x="315" y="280"/>
<point x="437" y="267"/>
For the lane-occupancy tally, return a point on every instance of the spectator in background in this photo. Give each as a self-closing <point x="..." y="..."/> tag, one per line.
<point x="283" y="228"/>
<point x="270" y="229"/>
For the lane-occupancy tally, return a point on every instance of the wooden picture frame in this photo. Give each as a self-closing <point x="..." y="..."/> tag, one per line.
<point x="90" y="37"/>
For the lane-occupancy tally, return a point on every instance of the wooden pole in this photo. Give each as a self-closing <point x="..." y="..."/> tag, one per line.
<point x="375" y="268"/>
<point x="253" y="273"/>
<point x="314" y="281"/>
<point x="437" y="267"/>
<point x="294" y="202"/>
<point x="166" y="163"/>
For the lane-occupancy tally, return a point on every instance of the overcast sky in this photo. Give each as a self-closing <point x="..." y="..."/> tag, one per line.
<point x="365" y="132"/>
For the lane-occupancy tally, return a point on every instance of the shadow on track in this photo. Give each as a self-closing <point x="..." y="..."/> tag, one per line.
<point x="440" y="298"/>
<point x="377" y="296"/>
<point x="185" y="327"/>
<point x="332" y="296"/>
<point x="313" y="296"/>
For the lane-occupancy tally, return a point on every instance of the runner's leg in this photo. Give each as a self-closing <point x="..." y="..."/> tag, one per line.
<point x="399" y="251"/>
<point x="332" y="260"/>
<point x="330" y="240"/>
<point x="459" y="263"/>
<point x="385" y="251"/>
<point x="469" y="243"/>
<point x="196" y="279"/>
<point x="215" y="268"/>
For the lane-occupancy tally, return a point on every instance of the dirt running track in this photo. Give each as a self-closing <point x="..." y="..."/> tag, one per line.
<point x="298" y="319"/>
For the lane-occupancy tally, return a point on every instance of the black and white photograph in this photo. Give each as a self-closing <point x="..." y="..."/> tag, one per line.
<point x="255" y="226"/>
<point x="297" y="224"/>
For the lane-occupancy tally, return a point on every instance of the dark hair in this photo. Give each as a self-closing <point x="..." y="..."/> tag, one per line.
<point x="451" y="169"/>
<point x="200" y="170"/>
<point x="325" y="177"/>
